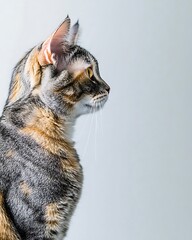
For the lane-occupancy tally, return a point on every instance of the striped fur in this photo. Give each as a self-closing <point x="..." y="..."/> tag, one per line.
<point x="40" y="173"/>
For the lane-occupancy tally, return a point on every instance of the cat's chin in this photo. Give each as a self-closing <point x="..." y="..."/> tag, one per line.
<point x="86" y="109"/>
<point x="90" y="104"/>
<point x="95" y="107"/>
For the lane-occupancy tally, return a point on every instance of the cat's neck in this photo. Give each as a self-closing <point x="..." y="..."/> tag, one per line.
<point x="50" y="124"/>
<point x="53" y="132"/>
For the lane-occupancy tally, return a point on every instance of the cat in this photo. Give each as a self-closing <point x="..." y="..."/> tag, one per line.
<point x="40" y="173"/>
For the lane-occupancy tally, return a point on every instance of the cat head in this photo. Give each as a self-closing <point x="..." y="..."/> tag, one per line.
<point x="62" y="74"/>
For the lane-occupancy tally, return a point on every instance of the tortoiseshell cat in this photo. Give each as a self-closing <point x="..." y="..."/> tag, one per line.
<point x="40" y="174"/>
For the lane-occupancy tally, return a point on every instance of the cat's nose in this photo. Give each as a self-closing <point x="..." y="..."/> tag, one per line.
<point x="107" y="89"/>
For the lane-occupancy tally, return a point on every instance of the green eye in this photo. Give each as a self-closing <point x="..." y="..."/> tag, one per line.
<point x="89" y="72"/>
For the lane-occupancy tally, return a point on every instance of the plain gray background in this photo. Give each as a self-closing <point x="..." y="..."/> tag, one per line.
<point x="136" y="153"/>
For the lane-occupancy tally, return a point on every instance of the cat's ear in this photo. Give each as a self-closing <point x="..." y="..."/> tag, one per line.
<point x="54" y="48"/>
<point x="74" y="33"/>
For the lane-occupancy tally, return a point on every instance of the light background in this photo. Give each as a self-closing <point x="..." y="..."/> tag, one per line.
<point x="136" y="153"/>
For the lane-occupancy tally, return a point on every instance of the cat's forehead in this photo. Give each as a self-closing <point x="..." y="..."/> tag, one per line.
<point x="81" y="59"/>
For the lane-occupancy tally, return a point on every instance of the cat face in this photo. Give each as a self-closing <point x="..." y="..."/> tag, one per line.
<point x="62" y="74"/>
<point x="78" y="89"/>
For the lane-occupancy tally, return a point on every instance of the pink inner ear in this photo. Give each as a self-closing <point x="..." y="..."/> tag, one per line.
<point x="44" y="56"/>
<point x="55" y="46"/>
<point x="58" y="40"/>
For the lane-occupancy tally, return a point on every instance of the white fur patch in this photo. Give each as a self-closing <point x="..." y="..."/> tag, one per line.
<point x="77" y="66"/>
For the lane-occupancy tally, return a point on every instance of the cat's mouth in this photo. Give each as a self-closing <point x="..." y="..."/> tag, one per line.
<point x="90" y="104"/>
<point x="97" y="102"/>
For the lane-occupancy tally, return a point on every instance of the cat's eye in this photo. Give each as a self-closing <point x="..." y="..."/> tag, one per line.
<point x="89" y="72"/>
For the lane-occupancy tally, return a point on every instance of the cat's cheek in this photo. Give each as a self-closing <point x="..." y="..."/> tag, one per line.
<point x="84" y="106"/>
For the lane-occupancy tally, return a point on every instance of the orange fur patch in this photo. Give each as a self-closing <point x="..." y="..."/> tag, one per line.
<point x="7" y="231"/>
<point x="25" y="188"/>
<point x="51" y="217"/>
<point x="80" y="75"/>
<point x="10" y="154"/>
<point x="33" y="68"/>
<point x="48" y="131"/>
<point x="16" y="88"/>
<point x="70" y="165"/>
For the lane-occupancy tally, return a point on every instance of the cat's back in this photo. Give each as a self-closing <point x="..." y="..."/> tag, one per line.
<point x="9" y="166"/>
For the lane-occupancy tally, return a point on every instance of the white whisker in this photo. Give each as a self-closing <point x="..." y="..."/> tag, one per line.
<point x="89" y="134"/>
<point x="93" y="106"/>
<point x="101" y="119"/>
<point x="95" y="133"/>
<point x="82" y="130"/>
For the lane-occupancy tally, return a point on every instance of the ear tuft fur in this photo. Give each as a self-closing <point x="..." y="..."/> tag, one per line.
<point x="74" y="33"/>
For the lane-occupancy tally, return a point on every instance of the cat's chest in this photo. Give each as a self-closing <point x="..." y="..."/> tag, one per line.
<point x="43" y="178"/>
<point x="57" y="217"/>
<point x="49" y="193"/>
<point x="54" y="177"/>
<point x="64" y="192"/>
